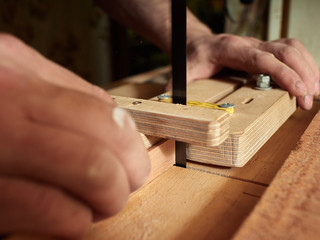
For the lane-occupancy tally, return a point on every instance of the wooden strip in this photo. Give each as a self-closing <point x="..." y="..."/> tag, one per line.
<point x="162" y="157"/>
<point x="184" y="123"/>
<point x="258" y="114"/>
<point x="290" y="209"/>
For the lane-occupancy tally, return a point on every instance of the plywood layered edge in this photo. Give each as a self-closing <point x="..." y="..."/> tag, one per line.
<point x="247" y="133"/>
<point x="201" y="126"/>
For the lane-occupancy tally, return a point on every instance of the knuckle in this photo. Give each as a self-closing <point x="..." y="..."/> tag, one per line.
<point x="72" y="222"/>
<point x="8" y="42"/>
<point x="261" y="57"/>
<point x="107" y="181"/>
<point x="231" y="39"/>
<point x="292" y="42"/>
<point x="288" y="52"/>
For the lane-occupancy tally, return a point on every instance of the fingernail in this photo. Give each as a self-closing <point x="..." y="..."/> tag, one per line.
<point x="300" y="86"/>
<point x="308" y="100"/>
<point x="120" y="116"/>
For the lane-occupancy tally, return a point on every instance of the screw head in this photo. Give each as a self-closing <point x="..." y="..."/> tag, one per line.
<point x="163" y="96"/>
<point x="136" y="102"/>
<point x="226" y="105"/>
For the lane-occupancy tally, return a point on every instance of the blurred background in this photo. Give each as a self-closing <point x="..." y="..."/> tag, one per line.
<point x="78" y="35"/>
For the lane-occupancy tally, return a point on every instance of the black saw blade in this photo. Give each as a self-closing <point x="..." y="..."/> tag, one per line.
<point x="179" y="66"/>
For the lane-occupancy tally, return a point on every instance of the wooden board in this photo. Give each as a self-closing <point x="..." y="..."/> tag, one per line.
<point x="224" y="197"/>
<point x="176" y="205"/>
<point x="258" y="115"/>
<point x="189" y="124"/>
<point x="290" y="209"/>
<point x="193" y="204"/>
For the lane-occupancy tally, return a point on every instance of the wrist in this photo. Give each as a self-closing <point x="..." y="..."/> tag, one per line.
<point x="196" y="29"/>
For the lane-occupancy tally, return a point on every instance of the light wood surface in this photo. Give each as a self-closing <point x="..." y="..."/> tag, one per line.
<point x="290" y="209"/>
<point x="203" y="201"/>
<point x="202" y="204"/>
<point x="176" y="205"/>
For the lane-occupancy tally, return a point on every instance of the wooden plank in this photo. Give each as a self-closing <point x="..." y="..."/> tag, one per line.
<point x="189" y="204"/>
<point x="184" y="123"/>
<point x="290" y="209"/>
<point x="223" y="198"/>
<point x="178" y="204"/>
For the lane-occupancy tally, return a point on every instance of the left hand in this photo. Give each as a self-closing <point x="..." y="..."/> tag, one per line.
<point x="285" y="60"/>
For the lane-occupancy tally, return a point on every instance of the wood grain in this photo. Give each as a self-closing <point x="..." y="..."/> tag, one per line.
<point x="203" y="204"/>
<point x="290" y="209"/>
<point x="177" y="204"/>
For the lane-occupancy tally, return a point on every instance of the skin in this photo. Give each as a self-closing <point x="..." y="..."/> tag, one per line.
<point x="65" y="160"/>
<point x="286" y="60"/>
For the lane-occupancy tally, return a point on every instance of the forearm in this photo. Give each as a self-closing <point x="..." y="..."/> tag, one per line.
<point x="149" y="18"/>
<point x="152" y="19"/>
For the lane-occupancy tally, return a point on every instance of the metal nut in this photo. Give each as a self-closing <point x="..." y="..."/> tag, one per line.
<point x="263" y="82"/>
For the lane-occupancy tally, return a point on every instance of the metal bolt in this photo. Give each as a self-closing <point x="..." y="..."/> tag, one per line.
<point x="263" y="82"/>
<point x="163" y="96"/>
<point x="226" y="105"/>
<point x="136" y="103"/>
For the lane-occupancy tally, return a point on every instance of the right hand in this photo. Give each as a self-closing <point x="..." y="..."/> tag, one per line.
<point x="67" y="153"/>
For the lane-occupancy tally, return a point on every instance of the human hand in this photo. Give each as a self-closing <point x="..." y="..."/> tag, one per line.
<point x="285" y="60"/>
<point x="67" y="153"/>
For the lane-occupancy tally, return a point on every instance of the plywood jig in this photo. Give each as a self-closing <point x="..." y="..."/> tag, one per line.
<point x="214" y="136"/>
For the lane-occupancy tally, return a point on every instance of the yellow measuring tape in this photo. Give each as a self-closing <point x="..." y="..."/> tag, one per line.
<point x="228" y="107"/>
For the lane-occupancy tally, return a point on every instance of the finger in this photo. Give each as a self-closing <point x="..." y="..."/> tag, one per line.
<point x="257" y="61"/>
<point x="292" y="57"/>
<point x="304" y="52"/>
<point x="308" y="57"/>
<point x="79" y="165"/>
<point x="32" y="207"/>
<point x="32" y="61"/>
<point x="305" y="102"/>
<point x="95" y="119"/>
<point x="85" y="116"/>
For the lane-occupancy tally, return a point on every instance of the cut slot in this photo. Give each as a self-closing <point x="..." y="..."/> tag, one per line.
<point x="247" y="101"/>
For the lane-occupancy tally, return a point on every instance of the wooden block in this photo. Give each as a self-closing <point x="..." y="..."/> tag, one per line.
<point x="162" y="157"/>
<point x="258" y="115"/>
<point x="201" y="126"/>
<point x="290" y="209"/>
<point x="149" y="141"/>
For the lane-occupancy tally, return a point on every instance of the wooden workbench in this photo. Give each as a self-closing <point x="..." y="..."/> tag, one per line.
<point x="256" y="201"/>
<point x="203" y="202"/>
